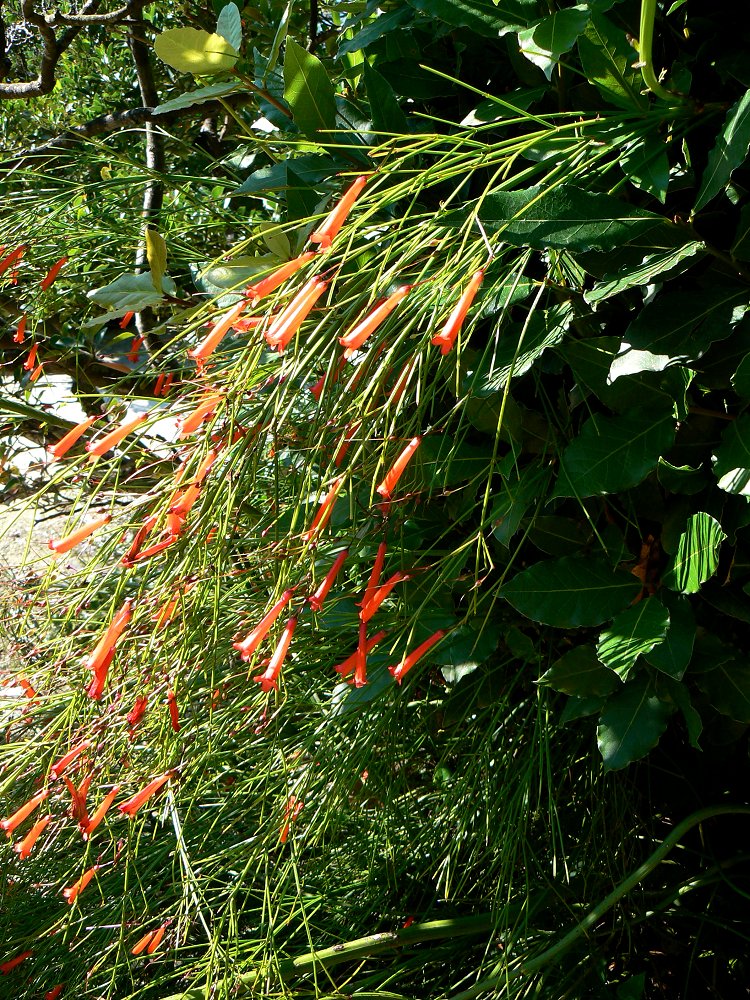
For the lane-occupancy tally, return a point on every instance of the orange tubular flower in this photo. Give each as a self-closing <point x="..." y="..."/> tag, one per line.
<point x="374" y="580"/>
<point x="316" y="600"/>
<point x="52" y="274"/>
<point x="78" y="810"/>
<point x="111" y="440"/>
<point x="217" y="333"/>
<point x="400" y="670"/>
<point x="133" y="804"/>
<point x="251" y="642"/>
<point x="125" y="321"/>
<point x="12" y="258"/>
<point x="447" y="336"/>
<point x="111" y="636"/>
<point x="269" y="677"/>
<point x="360" y="658"/>
<point x="138" y="710"/>
<point x="30" y="361"/>
<point x="139" y="538"/>
<point x="156" y="939"/>
<point x="206" y="465"/>
<point x="135" y="346"/>
<point x="59" y="766"/>
<point x="184" y="501"/>
<point x="36" y="373"/>
<point x="350" y="663"/>
<point x="369" y="609"/>
<point x="28" y="690"/>
<point x="66" y="443"/>
<point x="294" y="807"/>
<point x="187" y="424"/>
<point x="388" y="485"/>
<point x="328" y="231"/>
<point x="21" y="814"/>
<point x="8" y="966"/>
<point x="73" y="891"/>
<point x="152" y="550"/>
<point x="289" y="320"/>
<point x="361" y="331"/>
<point x="97" y="816"/>
<point x="267" y="285"/>
<point x="55" y="992"/>
<point x="95" y="690"/>
<point x="324" y="511"/>
<point x="174" y="711"/>
<point x="24" y="847"/>
<point x="159" y="384"/>
<point x="20" y="335"/>
<point x="79" y="535"/>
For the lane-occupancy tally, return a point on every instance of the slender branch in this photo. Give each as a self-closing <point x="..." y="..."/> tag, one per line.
<point x="114" y="16"/>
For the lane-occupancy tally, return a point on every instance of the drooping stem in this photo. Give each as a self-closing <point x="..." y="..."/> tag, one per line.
<point x="645" y="45"/>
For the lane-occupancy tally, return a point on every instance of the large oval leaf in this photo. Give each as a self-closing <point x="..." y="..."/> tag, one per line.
<point x="697" y="554"/>
<point x="631" y="723"/>
<point x="571" y="592"/>
<point x="192" y="50"/>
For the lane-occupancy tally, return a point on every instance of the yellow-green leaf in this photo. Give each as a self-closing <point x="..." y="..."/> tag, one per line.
<point x="156" y="254"/>
<point x="191" y="50"/>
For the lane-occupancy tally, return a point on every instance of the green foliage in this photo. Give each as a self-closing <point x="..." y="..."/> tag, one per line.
<point x="555" y="484"/>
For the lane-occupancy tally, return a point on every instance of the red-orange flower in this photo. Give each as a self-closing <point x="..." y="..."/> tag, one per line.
<point x="30" y="361"/>
<point x="99" y="681"/>
<point x="289" y="320"/>
<point x="270" y="283"/>
<point x="59" y="766"/>
<point x="326" y="233"/>
<point x="66" y="443"/>
<point x="149" y="942"/>
<point x="21" y="814"/>
<point x="360" y="658"/>
<point x="135" y="346"/>
<point x="388" y="485"/>
<point x="268" y="678"/>
<point x="111" y="636"/>
<point x="316" y="600"/>
<point x="78" y="810"/>
<point x="73" y="891"/>
<point x="374" y="579"/>
<point x="88" y="827"/>
<point x="111" y="440"/>
<point x="8" y="966"/>
<point x="55" y="992"/>
<point x="12" y="258"/>
<point x="36" y="373"/>
<point x="52" y="274"/>
<point x="349" y="664"/>
<point x="324" y="511"/>
<point x="447" y="336"/>
<point x="380" y="594"/>
<point x="138" y="710"/>
<point x="24" y="847"/>
<point x="79" y="535"/>
<point x="400" y="670"/>
<point x="125" y="321"/>
<point x="362" y="330"/>
<point x="20" y="334"/>
<point x="217" y="333"/>
<point x="251" y="641"/>
<point x="192" y="421"/>
<point x="174" y="711"/>
<point x="293" y="808"/>
<point x="133" y="804"/>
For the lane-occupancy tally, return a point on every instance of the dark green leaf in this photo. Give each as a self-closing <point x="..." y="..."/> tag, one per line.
<point x="559" y="536"/>
<point x="197" y="97"/>
<point x="631" y="724"/>
<point x="520" y="491"/>
<point x="697" y="554"/>
<point x="741" y="245"/>
<point x="482" y="16"/>
<point x="682" y="478"/>
<point x="613" y="453"/>
<point x="521" y="646"/>
<point x="309" y="92"/>
<point x="509" y="106"/>
<point x="673" y="654"/>
<point x="382" y="24"/>
<point x="571" y="592"/>
<point x="732" y="458"/>
<point x="645" y="164"/>
<point x="277" y="177"/>
<point x="676" y="692"/>
<point x="727" y="687"/>
<point x="581" y="708"/>
<point x="464" y="649"/>
<point x="607" y="59"/>
<point x="580" y="674"/>
<point x="387" y="116"/>
<point x="728" y="153"/>
<point x="633" y="633"/>
<point x="653" y="266"/>
<point x="443" y="465"/>
<point x="741" y="378"/>
<point x="229" y="25"/>
<point x="564" y="218"/>
<point x="545" y="42"/>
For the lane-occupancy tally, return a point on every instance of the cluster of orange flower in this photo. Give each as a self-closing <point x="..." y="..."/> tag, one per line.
<point x="11" y="261"/>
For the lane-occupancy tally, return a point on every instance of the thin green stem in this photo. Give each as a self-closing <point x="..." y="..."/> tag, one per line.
<point x="645" y="45"/>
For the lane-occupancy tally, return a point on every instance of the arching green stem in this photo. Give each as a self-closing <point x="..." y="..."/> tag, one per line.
<point x="645" y="44"/>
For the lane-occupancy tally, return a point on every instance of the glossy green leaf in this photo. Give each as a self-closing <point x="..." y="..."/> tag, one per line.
<point x="741" y="378"/>
<point x="633" y="633"/>
<point x="741" y="245"/>
<point x="631" y="723"/>
<point x="509" y="106"/>
<point x="380" y="26"/>
<point x="559" y="536"/>
<point x="308" y="170"/>
<point x="613" y="453"/>
<point x="309" y="92"/>
<point x="732" y="458"/>
<point x="197" y="97"/>
<point x="682" y="478"/>
<point x="697" y="555"/>
<point x="571" y="592"/>
<point x="727" y="687"/>
<point x="673" y="654"/>
<point x="646" y="165"/>
<point x="192" y="50"/>
<point x="564" y="218"/>
<point x="229" y="25"/>
<point x="545" y="42"/>
<point x="676" y="692"/>
<point x="387" y="116"/>
<point x="652" y="266"/>
<point x="607" y="59"/>
<point x="580" y="674"/>
<point x="468" y="646"/>
<point x="519" y="492"/>
<point x="482" y="16"/>
<point x="728" y="153"/>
